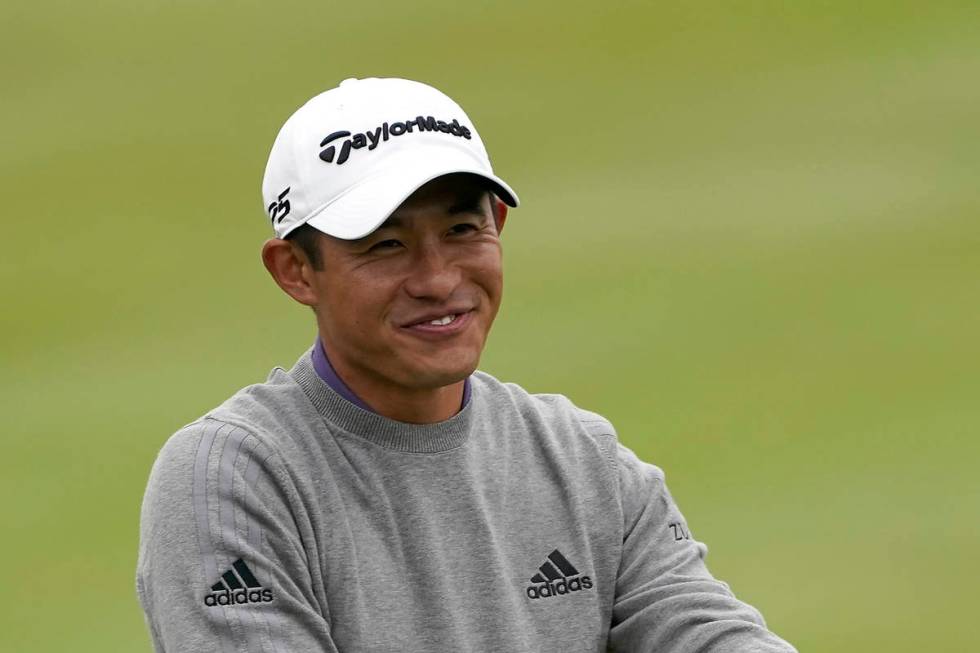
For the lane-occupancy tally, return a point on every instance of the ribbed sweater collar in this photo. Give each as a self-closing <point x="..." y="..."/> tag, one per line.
<point x="384" y="432"/>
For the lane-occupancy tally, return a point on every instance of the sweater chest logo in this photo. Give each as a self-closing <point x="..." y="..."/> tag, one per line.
<point x="237" y="586"/>
<point x="557" y="577"/>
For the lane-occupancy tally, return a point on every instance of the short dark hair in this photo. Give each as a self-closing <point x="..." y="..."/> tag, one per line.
<point x="307" y="238"/>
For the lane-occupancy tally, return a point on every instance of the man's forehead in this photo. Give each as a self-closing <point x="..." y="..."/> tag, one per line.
<point x="459" y="186"/>
<point x="452" y="197"/>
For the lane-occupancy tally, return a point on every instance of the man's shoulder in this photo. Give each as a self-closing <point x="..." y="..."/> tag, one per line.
<point x="260" y="415"/>
<point x="550" y="408"/>
<point x="266" y="406"/>
<point x="549" y="403"/>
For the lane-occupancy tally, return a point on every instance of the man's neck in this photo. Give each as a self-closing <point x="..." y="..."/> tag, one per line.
<point x="424" y="406"/>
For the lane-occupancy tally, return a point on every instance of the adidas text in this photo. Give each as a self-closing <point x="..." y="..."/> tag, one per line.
<point x="238" y="597"/>
<point x="372" y="138"/>
<point x="237" y="586"/>
<point x="559" y="587"/>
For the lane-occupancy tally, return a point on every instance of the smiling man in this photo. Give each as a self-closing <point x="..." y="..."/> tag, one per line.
<point x="404" y="311"/>
<point x="383" y="494"/>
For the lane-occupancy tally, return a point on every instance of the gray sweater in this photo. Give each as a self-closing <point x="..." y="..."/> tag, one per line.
<point x="289" y="519"/>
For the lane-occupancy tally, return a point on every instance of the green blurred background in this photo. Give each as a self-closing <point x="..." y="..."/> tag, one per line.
<point x="750" y="236"/>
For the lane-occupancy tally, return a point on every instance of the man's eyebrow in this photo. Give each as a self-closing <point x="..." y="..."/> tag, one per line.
<point x="392" y="222"/>
<point x="469" y="202"/>
<point x="464" y="203"/>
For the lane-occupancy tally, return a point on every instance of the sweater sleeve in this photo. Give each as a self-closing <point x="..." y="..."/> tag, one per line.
<point x="222" y="565"/>
<point x="666" y="600"/>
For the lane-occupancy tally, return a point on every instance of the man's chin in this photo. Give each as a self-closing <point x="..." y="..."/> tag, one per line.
<point x="435" y="379"/>
<point x="441" y="374"/>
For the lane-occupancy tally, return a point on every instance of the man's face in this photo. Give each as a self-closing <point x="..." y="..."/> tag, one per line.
<point x="437" y="255"/>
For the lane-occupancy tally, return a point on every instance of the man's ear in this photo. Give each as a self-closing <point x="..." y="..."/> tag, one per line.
<point x="290" y="268"/>
<point x="499" y="213"/>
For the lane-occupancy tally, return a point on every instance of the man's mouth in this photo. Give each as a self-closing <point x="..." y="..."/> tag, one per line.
<point x="440" y="325"/>
<point x="442" y="320"/>
<point x="438" y="317"/>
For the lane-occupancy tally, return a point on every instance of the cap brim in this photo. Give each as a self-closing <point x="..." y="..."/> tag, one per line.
<point x="363" y="208"/>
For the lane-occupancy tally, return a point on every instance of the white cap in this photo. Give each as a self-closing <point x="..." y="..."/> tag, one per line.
<point x="347" y="158"/>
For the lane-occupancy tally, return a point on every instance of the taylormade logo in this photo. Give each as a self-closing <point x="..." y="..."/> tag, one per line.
<point x="371" y="139"/>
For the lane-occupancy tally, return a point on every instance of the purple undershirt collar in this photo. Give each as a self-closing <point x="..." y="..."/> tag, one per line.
<point x="326" y="372"/>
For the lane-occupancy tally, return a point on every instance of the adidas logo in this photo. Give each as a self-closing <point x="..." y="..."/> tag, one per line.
<point x="237" y="586"/>
<point x="555" y="577"/>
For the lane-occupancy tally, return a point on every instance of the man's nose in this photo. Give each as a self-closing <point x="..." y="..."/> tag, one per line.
<point x="433" y="275"/>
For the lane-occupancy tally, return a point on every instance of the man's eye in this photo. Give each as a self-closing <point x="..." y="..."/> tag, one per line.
<point x="385" y="244"/>
<point x="463" y="227"/>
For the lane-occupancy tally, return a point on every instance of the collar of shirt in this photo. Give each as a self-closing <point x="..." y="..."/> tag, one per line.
<point x="329" y="375"/>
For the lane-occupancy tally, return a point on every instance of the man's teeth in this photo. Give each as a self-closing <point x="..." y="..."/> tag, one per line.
<point x="442" y="321"/>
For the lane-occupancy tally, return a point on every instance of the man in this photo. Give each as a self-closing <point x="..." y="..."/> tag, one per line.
<point x="383" y="494"/>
